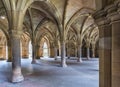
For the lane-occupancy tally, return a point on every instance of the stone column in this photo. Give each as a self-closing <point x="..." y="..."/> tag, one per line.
<point x="116" y="54"/>
<point x="115" y="22"/>
<point x="68" y="51"/>
<point x="76" y="51"/>
<point x="33" y="53"/>
<point x="16" y="53"/>
<point x="79" y="54"/>
<point x="93" y="52"/>
<point x="88" y="53"/>
<point x="63" y="53"/>
<point x="55" y="52"/>
<point x="37" y="52"/>
<point x="105" y="40"/>
<point x="105" y="56"/>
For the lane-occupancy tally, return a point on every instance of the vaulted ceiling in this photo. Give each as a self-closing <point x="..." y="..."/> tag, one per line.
<point x="47" y="16"/>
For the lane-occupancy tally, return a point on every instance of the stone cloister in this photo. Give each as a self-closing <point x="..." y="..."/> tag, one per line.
<point x="70" y="28"/>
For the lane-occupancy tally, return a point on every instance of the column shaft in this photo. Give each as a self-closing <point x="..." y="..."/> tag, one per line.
<point x="55" y="50"/>
<point x="63" y="53"/>
<point x="116" y="54"/>
<point x="93" y="52"/>
<point x="105" y="56"/>
<point x="16" y="62"/>
<point x="37" y="52"/>
<point x="68" y="52"/>
<point x="88" y="53"/>
<point x="33" y="53"/>
<point x="79" y="53"/>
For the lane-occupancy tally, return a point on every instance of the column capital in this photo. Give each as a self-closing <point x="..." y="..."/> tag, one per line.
<point x="37" y="45"/>
<point x="55" y="44"/>
<point x="108" y="15"/>
<point x="79" y="45"/>
<point x="113" y="12"/>
<point x="62" y="42"/>
<point x="15" y="33"/>
<point x="101" y="18"/>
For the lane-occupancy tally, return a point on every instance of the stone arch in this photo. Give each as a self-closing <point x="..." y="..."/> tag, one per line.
<point x="55" y="16"/>
<point x="80" y="12"/>
<point x="25" y="39"/>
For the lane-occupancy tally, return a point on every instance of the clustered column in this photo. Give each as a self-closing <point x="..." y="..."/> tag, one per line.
<point x="93" y="50"/>
<point x="33" y="52"/>
<point x="79" y="53"/>
<point x="63" y="53"/>
<point x="16" y="53"/>
<point x="88" y="53"/>
<point x="38" y="52"/>
<point x="55" y="50"/>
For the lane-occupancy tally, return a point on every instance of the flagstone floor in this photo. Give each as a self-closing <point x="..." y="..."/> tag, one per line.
<point x="48" y="73"/>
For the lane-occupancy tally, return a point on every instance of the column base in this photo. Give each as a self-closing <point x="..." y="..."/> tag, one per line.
<point x="9" y="60"/>
<point x="33" y="62"/>
<point x="24" y="57"/>
<point x="88" y="58"/>
<point x="17" y="78"/>
<point x="37" y="57"/>
<point x="55" y="58"/>
<point x="68" y="57"/>
<point x="79" y="60"/>
<point x="63" y="65"/>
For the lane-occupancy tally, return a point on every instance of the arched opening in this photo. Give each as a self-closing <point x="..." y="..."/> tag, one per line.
<point x="25" y="39"/>
<point x="30" y="50"/>
<point x="45" y="50"/>
<point x="3" y="46"/>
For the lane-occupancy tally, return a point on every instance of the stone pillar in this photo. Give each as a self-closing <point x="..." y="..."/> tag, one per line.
<point x="116" y="54"/>
<point x="16" y="53"/>
<point x="63" y="53"/>
<point x="33" y="53"/>
<point x="105" y="56"/>
<point x="93" y="52"/>
<point x="88" y="53"/>
<point x="79" y="54"/>
<point x="105" y="40"/>
<point x="115" y="22"/>
<point x="55" y="52"/>
<point x="37" y="52"/>
<point x="68" y="52"/>
<point x="76" y="51"/>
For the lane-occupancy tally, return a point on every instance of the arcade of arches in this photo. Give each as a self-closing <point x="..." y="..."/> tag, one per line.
<point x="64" y="28"/>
